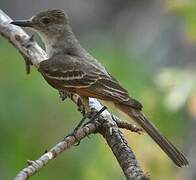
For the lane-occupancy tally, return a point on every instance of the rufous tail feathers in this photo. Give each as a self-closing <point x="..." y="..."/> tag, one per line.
<point x="176" y="156"/>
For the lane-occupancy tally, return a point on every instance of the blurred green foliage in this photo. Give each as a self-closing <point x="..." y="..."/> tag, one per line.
<point x="186" y="9"/>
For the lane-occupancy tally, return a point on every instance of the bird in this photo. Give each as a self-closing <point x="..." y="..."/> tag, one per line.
<point x="70" y="68"/>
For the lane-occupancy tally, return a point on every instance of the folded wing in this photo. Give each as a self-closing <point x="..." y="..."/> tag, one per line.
<point x="80" y="76"/>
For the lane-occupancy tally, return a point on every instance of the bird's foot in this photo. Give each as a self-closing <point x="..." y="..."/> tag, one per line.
<point x="93" y="114"/>
<point x="80" y="123"/>
<point x="74" y="134"/>
<point x="81" y="107"/>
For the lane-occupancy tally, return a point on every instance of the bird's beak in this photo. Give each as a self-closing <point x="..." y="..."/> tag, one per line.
<point x="23" y="23"/>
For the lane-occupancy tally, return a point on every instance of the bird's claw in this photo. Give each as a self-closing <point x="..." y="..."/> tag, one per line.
<point x="74" y="134"/>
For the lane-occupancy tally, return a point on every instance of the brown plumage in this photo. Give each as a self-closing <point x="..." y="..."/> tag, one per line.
<point x="177" y="157"/>
<point x="72" y="73"/>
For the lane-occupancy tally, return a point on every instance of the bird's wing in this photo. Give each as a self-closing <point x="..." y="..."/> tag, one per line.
<point x="71" y="72"/>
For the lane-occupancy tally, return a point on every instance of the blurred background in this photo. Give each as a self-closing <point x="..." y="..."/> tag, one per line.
<point x="149" y="45"/>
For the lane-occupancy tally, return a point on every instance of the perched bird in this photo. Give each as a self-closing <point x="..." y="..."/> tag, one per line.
<point x="71" y="68"/>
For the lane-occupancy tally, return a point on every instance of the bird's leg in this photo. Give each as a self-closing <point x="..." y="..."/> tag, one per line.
<point x="80" y="104"/>
<point x="87" y="110"/>
<point x="75" y="98"/>
<point x="95" y="114"/>
<point x="84" y="102"/>
<point x="89" y="113"/>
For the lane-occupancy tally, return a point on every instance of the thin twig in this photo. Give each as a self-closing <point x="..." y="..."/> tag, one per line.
<point x="66" y="143"/>
<point x="128" y="126"/>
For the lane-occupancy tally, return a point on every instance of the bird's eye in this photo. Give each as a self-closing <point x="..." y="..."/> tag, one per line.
<point x="45" y="20"/>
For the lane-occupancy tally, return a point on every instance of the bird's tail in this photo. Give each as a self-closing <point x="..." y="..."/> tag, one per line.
<point x="176" y="156"/>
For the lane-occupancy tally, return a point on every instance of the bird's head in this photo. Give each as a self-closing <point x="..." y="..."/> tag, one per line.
<point x="48" y="23"/>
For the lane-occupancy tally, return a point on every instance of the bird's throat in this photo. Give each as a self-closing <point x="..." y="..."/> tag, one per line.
<point x="60" y="44"/>
<point x="52" y="45"/>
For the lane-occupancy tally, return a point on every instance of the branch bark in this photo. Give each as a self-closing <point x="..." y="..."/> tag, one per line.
<point x="106" y="124"/>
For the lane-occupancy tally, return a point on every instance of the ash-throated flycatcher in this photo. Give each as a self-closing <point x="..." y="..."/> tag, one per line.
<point x="71" y="68"/>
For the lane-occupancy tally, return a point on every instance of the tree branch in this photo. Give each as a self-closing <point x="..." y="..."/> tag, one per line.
<point x="125" y="125"/>
<point x="66" y="143"/>
<point x="122" y="151"/>
<point x="106" y="124"/>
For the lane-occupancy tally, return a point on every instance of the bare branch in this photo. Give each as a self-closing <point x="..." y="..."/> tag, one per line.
<point x="67" y="142"/>
<point x="122" y="151"/>
<point x="105" y="124"/>
<point x="21" y="40"/>
<point x="124" y="125"/>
